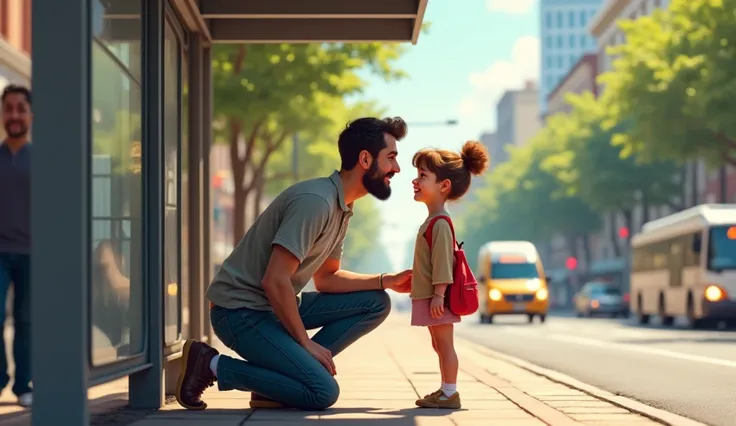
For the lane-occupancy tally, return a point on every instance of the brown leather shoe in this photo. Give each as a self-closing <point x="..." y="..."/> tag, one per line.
<point x="260" y="401"/>
<point x="196" y="376"/>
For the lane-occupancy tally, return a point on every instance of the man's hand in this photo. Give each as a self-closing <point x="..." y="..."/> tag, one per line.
<point x="399" y="282"/>
<point x="321" y="354"/>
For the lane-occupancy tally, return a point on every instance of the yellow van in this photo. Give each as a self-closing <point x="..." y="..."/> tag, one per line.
<point x="511" y="281"/>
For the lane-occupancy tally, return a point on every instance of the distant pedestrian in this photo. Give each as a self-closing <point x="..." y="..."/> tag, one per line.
<point x="15" y="235"/>
<point x="441" y="176"/>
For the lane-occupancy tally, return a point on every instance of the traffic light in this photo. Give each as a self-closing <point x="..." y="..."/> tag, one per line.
<point x="623" y="232"/>
<point x="571" y="263"/>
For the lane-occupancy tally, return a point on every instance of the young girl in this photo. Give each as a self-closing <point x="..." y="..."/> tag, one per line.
<point x="442" y="176"/>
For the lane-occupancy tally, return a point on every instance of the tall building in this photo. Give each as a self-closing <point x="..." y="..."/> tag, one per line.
<point x="15" y="44"/>
<point x="564" y="39"/>
<point x="517" y="119"/>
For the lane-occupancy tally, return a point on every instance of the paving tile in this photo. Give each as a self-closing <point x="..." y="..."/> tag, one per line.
<point x="593" y="410"/>
<point x="628" y="417"/>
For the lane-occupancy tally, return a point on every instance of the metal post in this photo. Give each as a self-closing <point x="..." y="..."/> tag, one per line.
<point x="60" y="250"/>
<point x="146" y="389"/>
<point x="207" y="111"/>
<point x="196" y="190"/>
<point x="723" y="184"/>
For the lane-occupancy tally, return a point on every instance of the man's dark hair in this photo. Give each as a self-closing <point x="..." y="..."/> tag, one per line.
<point x="16" y="88"/>
<point x="367" y="134"/>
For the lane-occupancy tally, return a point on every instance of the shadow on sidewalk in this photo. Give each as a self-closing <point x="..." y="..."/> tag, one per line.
<point x="352" y="416"/>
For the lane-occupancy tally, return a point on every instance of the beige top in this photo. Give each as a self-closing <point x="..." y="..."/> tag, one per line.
<point x="309" y="219"/>
<point x="433" y="268"/>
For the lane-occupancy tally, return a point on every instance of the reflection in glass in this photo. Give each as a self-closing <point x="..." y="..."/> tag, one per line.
<point x="184" y="200"/>
<point x="172" y="50"/>
<point x="116" y="198"/>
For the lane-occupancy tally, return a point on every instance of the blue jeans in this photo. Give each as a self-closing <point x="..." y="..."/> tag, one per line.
<point x="275" y="365"/>
<point x="16" y="268"/>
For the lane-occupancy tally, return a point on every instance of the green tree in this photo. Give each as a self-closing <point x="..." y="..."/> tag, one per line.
<point x="266" y="93"/>
<point x="590" y="166"/>
<point x="675" y="82"/>
<point x="524" y="201"/>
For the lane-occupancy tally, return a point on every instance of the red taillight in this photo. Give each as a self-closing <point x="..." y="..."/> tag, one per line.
<point x="627" y="298"/>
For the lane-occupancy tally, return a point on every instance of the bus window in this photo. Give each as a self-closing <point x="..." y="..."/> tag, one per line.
<point x="514" y="271"/>
<point x="721" y="249"/>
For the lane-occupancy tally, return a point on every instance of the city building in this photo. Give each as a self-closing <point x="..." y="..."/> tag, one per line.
<point x="517" y="119"/>
<point x="490" y="141"/>
<point x="124" y="203"/>
<point x="564" y="39"/>
<point x="580" y="79"/>
<point x="15" y="44"/>
<point x="604" y="29"/>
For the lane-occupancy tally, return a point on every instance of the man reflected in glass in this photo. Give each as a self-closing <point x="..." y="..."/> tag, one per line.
<point x="15" y="236"/>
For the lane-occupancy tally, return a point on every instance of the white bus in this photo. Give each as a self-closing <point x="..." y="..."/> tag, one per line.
<point x="685" y="265"/>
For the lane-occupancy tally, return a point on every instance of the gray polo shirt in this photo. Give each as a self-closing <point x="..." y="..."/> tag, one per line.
<point x="15" y="200"/>
<point x="310" y="219"/>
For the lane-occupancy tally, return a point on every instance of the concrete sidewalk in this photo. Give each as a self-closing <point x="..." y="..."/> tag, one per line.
<point x="382" y="375"/>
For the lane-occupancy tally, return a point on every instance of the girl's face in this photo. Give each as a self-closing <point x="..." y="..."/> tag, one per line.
<point x="427" y="189"/>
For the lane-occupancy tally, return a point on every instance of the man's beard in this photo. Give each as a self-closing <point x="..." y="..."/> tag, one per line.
<point x="374" y="184"/>
<point x="20" y="129"/>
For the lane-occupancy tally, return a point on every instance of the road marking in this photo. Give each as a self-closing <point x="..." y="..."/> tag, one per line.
<point x="633" y="348"/>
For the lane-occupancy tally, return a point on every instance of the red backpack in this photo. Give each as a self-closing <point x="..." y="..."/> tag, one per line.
<point x="462" y="294"/>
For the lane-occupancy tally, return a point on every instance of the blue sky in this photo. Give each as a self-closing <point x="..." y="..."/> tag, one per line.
<point x="474" y="51"/>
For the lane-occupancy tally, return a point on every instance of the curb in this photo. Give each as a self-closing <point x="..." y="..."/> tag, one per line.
<point x="655" y="414"/>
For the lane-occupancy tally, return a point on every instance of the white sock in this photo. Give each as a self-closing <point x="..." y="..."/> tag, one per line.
<point x="448" y="389"/>
<point x="213" y="364"/>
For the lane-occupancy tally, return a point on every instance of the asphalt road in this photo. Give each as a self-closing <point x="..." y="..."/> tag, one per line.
<point x="688" y="372"/>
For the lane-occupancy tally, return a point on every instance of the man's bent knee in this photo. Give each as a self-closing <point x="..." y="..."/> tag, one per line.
<point x="323" y="395"/>
<point x="382" y="304"/>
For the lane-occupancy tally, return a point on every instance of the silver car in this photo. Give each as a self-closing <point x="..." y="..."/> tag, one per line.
<point x="600" y="298"/>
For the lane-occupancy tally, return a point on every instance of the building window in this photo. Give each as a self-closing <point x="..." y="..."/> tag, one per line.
<point x="560" y="18"/>
<point x="4" y="18"/>
<point x="548" y="20"/>
<point x="583" y="42"/>
<point x="559" y="42"/>
<point x="548" y="61"/>
<point x="571" y="19"/>
<point x="583" y="18"/>
<point x="572" y="40"/>
<point x="116" y="198"/>
<point x="560" y="62"/>
<point x="548" y="42"/>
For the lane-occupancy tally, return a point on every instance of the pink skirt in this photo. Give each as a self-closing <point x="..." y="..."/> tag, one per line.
<point x="421" y="317"/>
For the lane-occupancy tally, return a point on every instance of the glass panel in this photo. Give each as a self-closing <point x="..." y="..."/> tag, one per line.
<point x="172" y="50"/>
<point x="116" y="196"/>
<point x="184" y="199"/>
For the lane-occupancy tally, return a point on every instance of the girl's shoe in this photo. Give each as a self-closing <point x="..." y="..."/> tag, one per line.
<point x="439" y="400"/>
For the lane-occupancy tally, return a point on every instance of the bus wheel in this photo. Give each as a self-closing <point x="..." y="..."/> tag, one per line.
<point x="692" y="321"/>
<point x="542" y="318"/>
<point x="643" y="318"/>
<point x="664" y="318"/>
<point x="486" y="319"/>
<point x="530" y="318"/>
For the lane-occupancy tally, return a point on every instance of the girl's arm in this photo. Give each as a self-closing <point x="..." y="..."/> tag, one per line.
<point x="443" y="256"/>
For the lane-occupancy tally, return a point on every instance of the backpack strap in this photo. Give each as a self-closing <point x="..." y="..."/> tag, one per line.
<point x="428" y="232"/>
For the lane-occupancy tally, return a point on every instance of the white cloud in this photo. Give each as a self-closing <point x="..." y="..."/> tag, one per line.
<point x="511" y="6"/>
<point x="489" y="84"/>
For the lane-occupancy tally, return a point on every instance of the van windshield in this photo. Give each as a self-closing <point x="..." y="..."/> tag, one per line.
<point x="722" y="248"/>
<point x="514" y="271"/>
